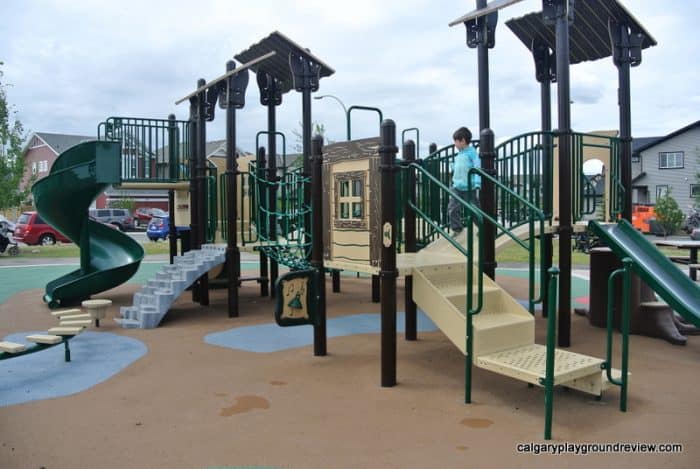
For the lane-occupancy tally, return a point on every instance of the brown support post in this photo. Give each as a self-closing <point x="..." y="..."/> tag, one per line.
<point x="388" y="273"/>
<point x="560" y="13"/>
<point x="375" y="289"/>
<point x="194" y="152"/>
<point x="409" y="156"/>
<point x="262" y="221"/>
<point x="172" y="166"/>
<point x="201" y="183"/>
<point x="335" y="276"/>
<point x="234" y="98"/>
<point x="317" y="243"/>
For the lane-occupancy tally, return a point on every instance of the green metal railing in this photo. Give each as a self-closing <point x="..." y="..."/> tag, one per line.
<point x="474" y="216"/>
<point x="536" y="223"/>
<point x="348" y="114"/>
<point x="520" y="166"/>
<point x="584" y="200"/>
<point x="626" y="272"/>
<point x="152" y="150"/>
<point x="212" y="212"/>
<point x="548" y="381"/>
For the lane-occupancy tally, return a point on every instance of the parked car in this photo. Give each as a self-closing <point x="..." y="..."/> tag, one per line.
<point x="32" y="229"/>
<point x="695" y="234"/>
<point x="143" y="215"/>
<point x="6" y="225"/>
<point x="119" y="217"/>
<point x="159" y="228"/>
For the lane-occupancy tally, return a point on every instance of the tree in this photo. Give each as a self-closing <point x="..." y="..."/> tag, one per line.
<point x="668" y="214"/>
<point x="316" y="128"/>
<point x="11" y="156"/>
<point x="127" y="203"/>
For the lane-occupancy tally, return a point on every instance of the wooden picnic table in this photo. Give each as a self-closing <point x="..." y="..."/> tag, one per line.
<point x="691" y="245"/>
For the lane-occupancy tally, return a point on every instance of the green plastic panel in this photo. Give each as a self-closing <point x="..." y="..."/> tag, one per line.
<point x="673" y="285"/>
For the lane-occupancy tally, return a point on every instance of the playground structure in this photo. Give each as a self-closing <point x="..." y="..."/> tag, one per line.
<point x="350" y="206"/>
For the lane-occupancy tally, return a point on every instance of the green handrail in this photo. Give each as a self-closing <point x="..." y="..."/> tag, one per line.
<point x="474" y="217"/>
<point x="361" y="108"/>
<point x="212" y="212"/>
<point x="548" y="381"/>
<point x="403" y="139"/>
<point x="284" y="143"/>
<point x="535" y="214"/>
<point x="626" y="271"/>
<point x="223" y="203"/>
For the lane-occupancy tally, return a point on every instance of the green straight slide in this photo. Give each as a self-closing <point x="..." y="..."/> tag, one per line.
<point x="674" y="286"/>
<point x="108" y="257"/>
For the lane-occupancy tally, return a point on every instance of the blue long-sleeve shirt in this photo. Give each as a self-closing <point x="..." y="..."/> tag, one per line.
<point x="466" y="159"/>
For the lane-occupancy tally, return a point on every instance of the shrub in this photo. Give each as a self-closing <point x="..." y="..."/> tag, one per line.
<point x="668" y="214"/>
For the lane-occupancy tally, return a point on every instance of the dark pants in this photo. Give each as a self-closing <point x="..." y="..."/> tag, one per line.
<point x="454" y="208"/>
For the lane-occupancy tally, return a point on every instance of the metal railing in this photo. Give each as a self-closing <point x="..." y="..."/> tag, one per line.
<point x="152" y="150"/>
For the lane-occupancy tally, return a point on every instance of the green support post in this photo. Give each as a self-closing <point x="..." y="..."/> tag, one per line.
<point x="551" y="341"/>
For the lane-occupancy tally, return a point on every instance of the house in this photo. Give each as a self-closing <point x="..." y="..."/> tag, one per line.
<point x="42" y="149"/>
<point x="667" y="164"/>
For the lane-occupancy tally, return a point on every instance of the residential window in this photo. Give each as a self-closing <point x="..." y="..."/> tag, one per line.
<point x="34" y="167"/>
<point x="43" y="166"/>
<point x="635" y="158"/>
<point x="670" y="160"/>
<point x="695" y="190"/>
<point x="661" y="191"/>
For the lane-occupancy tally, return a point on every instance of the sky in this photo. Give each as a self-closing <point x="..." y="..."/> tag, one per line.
<point x="70" y="64"/>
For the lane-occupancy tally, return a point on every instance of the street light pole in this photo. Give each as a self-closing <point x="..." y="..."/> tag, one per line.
<point x="345" y="109"/>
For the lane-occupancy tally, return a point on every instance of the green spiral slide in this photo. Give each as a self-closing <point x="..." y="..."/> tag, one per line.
<point x="108" y="257"/>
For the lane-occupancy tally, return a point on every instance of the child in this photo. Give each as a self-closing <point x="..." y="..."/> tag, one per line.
<point x="465" y="159"/>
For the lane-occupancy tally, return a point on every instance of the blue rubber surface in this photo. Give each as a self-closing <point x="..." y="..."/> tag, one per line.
<point x="95" y="357"/>
<point x="267" y="338"/>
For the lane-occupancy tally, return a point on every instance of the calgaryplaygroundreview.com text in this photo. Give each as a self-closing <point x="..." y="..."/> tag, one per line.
<point x="583" y="449"/>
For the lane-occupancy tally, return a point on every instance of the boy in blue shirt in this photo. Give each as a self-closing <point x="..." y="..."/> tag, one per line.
<point x="465" y="159"/>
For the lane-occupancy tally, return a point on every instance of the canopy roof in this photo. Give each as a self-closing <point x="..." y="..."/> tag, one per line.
<point x="278" y="65"/>
<point x="589" y="37"/>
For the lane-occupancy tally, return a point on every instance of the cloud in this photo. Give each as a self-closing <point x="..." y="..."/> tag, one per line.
<point x="136" y="58"/>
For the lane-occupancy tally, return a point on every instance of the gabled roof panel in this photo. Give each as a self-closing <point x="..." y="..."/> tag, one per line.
<point x="588" y="35"/>
<point x="278" y="65"/>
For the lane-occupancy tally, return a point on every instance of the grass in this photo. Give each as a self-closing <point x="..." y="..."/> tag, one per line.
<point x="514" y="253"/>
<point x="70" y="250"/>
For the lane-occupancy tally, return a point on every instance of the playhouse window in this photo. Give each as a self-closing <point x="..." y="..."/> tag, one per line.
<point x="350" y="201"/>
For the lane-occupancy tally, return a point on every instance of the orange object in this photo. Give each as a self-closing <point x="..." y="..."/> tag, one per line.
<point x="641" y="216"/>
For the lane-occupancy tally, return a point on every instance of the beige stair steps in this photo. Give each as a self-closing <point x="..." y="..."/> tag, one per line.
<point x="47" y="339"/>
<point x="76" y="322"/>
<point x="65" y="312"/>
<point x="528" y="364"/>
<point x="66" y="330"/>
<point x="504" y="331"/>
<point x="74" y="317"/>
<point x="12" y="347"/>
